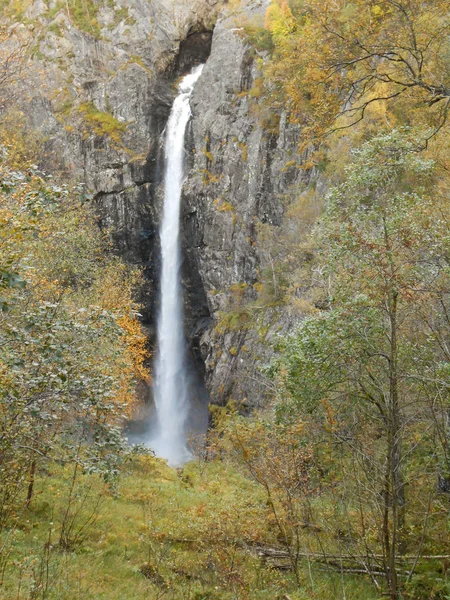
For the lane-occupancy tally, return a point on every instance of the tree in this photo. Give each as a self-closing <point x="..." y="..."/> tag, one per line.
<point x="361" y="365"/>
<point x="72" y="349"/>
<point x="14" y="44"/>
<point x="278" y="458"/>
<point x="334" y="60"/>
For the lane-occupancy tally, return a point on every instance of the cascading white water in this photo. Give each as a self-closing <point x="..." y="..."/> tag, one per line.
<point x="171" y="389"/>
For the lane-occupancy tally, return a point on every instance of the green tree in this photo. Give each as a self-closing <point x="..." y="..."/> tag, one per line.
<point x="71" y="348"/>
<point x="361" y="366"/>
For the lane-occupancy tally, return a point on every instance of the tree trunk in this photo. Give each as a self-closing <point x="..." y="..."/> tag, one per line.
<point x="31" y="482"/>
<point x="394" y="462"/>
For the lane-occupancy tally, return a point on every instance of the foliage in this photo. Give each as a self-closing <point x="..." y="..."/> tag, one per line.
<point x="165" y="533"/>
<point x="258" y="36"/>
<point x="101" y="123"/>
<point x="72" y="349"/>
<point x="278" y="458"/>
<point x="334" y="60"/>
<point x="84" y="16"/>
<point x="13" y="54"/>
<point x="287" y="252"/>
<point x="367" y="367"/>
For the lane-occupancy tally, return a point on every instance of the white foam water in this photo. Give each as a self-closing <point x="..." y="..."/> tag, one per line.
<point x="171" y="387"/>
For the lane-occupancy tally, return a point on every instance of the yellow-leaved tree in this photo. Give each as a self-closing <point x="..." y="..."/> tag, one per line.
<point x="72" y="348"/>
<point x="334" y="59"/>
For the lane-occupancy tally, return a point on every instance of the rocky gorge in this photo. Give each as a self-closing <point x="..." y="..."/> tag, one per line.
<point x="99" y="93"/>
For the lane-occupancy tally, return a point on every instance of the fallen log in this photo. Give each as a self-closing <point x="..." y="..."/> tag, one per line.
<point x="268" y="551"/>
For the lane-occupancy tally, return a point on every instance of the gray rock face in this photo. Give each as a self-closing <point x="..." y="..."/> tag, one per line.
<point x="102" y="103"/>
<point x="101" y="100"/>
<point x="240" y="176"/>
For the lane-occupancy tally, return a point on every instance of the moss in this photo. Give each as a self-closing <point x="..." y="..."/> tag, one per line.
<point x="244" y="150"/>
<point x="58" y="6"/>
<point x="102" y="123"/>
<point x="137" y="60"/>
<point x="234" y="320"/>
<point x="36" y="53"/>
<point x="258" y="88"/>
<point x="238" y="288"/>
<point x="55" y="28"/>
<point x="121" y="14"/>
<point x="289" y="165"/>
<point x="208" y="155"/>
<point x="225" y="207"/>
<point x="14" y="9"/>
<point x="271" y="123"/>
<point x="209" y="178"/>
<point x="65" y="109"/>
<point x="84" y="16"/>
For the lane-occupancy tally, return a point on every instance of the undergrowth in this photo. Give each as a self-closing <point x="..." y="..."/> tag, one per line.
<point x="163" y="533"/>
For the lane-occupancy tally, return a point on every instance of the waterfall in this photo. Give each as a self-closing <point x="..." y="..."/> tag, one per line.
<point x="171" y="388"/>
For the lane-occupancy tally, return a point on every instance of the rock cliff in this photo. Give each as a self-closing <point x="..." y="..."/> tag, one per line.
<point x="242" y="172"/>
<point x="100" y="96"/>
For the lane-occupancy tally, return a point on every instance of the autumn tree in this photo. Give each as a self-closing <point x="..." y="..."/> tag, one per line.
<point x="72" y="349"/>
<point x="361" y="365"/>
<point x="14" y="45"/>
<point x="334" y="60"/>
<point x="278" y="458"/>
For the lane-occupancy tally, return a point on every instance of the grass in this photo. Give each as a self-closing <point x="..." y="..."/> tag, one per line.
<point x="14" y="9"/>
<point x="163" y="533"/>
<point x="83" y="14"/>
<point x="102" y="123"/>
